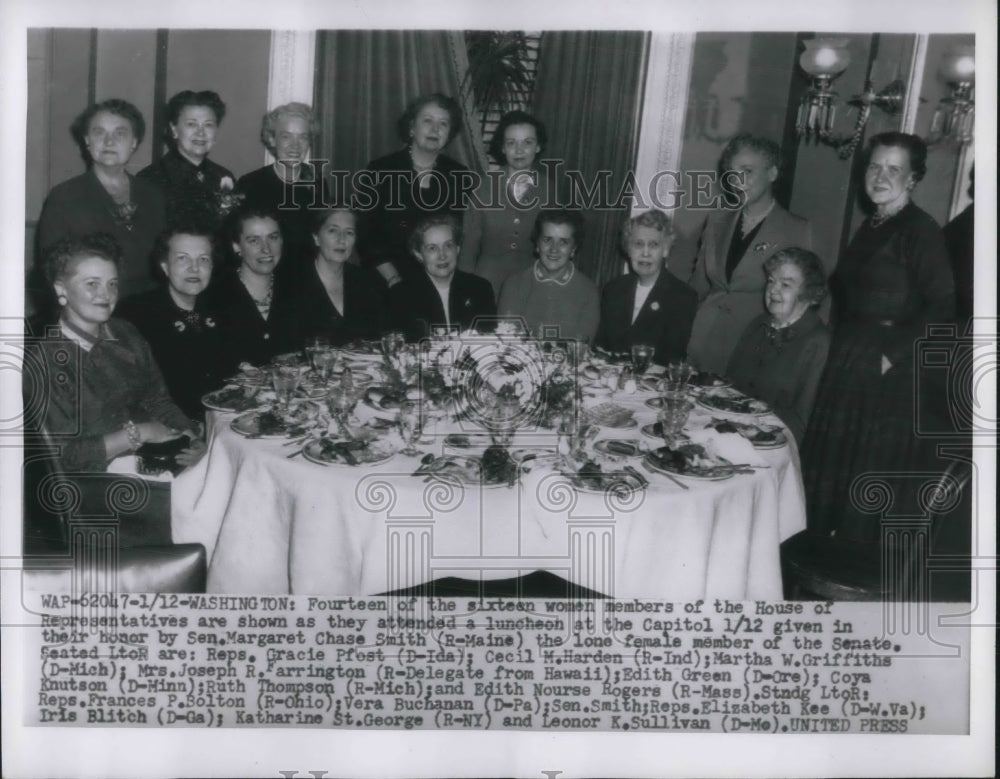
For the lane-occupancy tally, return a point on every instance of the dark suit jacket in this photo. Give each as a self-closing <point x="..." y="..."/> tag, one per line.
<point x="728" y="306"/>
<point x="664" y="320"/>
<point x="365" y="313"/>
<point x="416" y="305"/>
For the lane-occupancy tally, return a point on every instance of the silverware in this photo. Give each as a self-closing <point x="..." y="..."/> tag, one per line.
<point x="678" y="482"/>
<point x="296" y="453"/>
<point x="643" y="481"/>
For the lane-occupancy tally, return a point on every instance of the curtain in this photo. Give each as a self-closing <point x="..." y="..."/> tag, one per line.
<point x="589" y="94"/>
<point x="366" y="78"/>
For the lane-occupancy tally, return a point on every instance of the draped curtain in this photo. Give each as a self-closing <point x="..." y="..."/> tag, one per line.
<point x="589" y="94"/>
<point x="366" y="78"/>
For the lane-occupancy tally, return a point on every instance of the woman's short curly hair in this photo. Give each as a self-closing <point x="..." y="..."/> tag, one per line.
<point x="814" y="288"/>
<point x="122" y="108"/>
<point x="441" y="220"/>
<point x="658" y="220"/>
<point x="509" y="119"/>
<point x="444" y="102"/>
<point x="63" y="256"/>
<point x="269" y="124"/>
<point x="912" y="144"/>
<point x="161" y="248"/>
<point x="318" y="217"/>
<point x="765" y="147"/>
<point x="188" y="99"/>
<point x="558" y="216"/>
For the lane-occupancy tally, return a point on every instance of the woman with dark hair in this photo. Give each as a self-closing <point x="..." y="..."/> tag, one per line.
<point x="290" y="187"/>
<point x="551" y="295"/>
<point x="182" y="331"/>
<point x="195" y="187"/>
<point x="107" y="198"/>
<point x="893" y="280"/>
<point x="255" y="305"/>
<point x="440" y="295"/>
<point x="496" y="237"/>
<point x="105" y="395"/>
<point x="335" y="297"/>
<point x="408" y="185"/>
<point x="780" y="356"/>
<point x="735" y="243"/>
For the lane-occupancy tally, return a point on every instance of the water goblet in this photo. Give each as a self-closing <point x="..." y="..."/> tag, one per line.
<point x="313" y="346"/>
<point x="642" y="357"/>
<point x="410" y="426"/>
<point x="609" y="377"/>
<point x="323" y="362"/>
<point x="673" y="415"/>
<point x="286" y="382"/>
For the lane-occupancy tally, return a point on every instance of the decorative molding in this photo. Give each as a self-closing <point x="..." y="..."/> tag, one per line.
<point x="661" y="132"/>
<point x="292" y="73"/>
<point x="914" y="85"/>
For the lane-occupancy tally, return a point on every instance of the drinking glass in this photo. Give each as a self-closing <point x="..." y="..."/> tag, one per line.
<point x="323" y="361"/>
<point x="678" y="375"/>
<point x="642" y="356"/>
<point x="286" y="382"/>
<point x="609" y="377"/>
<point x="410" y="426"/>
<point x="315" y="345"/>
<point x="340" y="402"/>
<point x="673" y="415"/>
<point x="392" y="343"/>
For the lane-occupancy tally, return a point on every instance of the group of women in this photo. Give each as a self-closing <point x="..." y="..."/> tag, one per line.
<point x="299" y="267"/>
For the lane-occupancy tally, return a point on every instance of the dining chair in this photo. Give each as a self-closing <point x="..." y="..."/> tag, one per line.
<point x="831" y="568"/>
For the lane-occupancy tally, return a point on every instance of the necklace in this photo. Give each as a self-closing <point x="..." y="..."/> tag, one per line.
<point x="263" y="304"/>
<point x="877" y="219"/>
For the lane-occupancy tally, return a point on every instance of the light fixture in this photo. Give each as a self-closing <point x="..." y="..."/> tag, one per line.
<point x="955" y="117"/>
<point x="823" y="60"/>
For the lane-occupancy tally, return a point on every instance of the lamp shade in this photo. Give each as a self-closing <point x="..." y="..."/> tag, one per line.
<point x="959" y="65"/>
<point x="825" y="57"/>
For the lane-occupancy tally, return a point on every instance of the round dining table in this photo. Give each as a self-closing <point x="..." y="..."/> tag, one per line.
<point x="274" y="522"/>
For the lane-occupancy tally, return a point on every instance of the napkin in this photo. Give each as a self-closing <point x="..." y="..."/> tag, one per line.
<point x="731" y="446"/>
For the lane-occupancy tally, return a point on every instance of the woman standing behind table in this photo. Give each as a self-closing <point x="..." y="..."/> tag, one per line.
<point x="780" y="357"/>
<point x="183" y="332"/>
<point x="551" y="295"/>
<point x="255" y="305"/>
<point x="496" y="238"/>
<point x="334" y="297"/>
<point x="107" y="198"/>
<point x="735" y="243"/>
<point x="290" y="187"/>
<point x="892" y="281"/>
<point x="440" y="295"/>
<point x="420" y="179"/>
<point x="195" y="187"/>
<point x="649" y="305"/>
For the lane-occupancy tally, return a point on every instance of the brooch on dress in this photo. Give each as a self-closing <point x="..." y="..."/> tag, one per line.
<point x="654" y="306"/>
<point x="762" y="247"/>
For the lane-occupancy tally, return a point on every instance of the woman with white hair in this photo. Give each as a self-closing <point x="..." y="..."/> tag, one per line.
<point x="289" y="186"/>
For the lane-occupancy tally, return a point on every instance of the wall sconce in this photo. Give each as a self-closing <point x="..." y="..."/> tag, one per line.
<point x="823" y="60"/>
<point x="955" y="117"/>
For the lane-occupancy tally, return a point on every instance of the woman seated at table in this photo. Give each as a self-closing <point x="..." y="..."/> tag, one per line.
<point x="195" y="187"/>
<point x="441" y="295"/>
<point x="552" y="296"/>
<point x="290" y="186"/>
<point x="650" y="305"/>
<point x="780" y="357"/>
<point x="735" y="243"/>
<point x="255" y="306"/>
<point x="175" y="320"/>
<point x="496" y="238"/>
<point x="105" y="395"/>
<point x="335" y="297"/>
<point x="419" y="178"/>
<point x="107" y="198"/>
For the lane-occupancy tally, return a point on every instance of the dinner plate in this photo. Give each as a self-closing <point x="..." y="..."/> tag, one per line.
<point x="230" y="398"/>
<point x="718" y="474"/>
<point x="704" y="381"/>
<point x="530" y="453"/>
<point x="320" y="452"/>
<point x="248" y="423"/>
<point x="610" y="482"/>
<point x="747" y="430"/>
<point x="602" y="446"/>
<point x="754" y="407"/>
<point x="629" y="425"/>
<point x="466" y="469"/>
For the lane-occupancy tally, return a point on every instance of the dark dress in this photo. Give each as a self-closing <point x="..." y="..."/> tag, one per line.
<point x="960" y="236"/>
<point x="293" y="203"/>
<point x="385" y="231"/>
<point x="81" y="205"/>
<point x="194" y="194"/>
<point x="416" y="304"/>
<point x="664" y="320"/>
<point x="187" y="345"/>
<point x="892" y="281"/>
<point x="365" y="314"/>
<point x="246" y="335"/>
<point x="782" y="367"/>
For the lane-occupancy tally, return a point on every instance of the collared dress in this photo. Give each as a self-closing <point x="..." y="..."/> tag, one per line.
<point x="567" y="307"/>
<point x="782" y="366"/>
<point x="198" y="194"/>
<point x="187" y="345"/>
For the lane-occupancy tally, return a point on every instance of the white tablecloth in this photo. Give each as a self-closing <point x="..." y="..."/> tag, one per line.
<point x="278" y="525"/>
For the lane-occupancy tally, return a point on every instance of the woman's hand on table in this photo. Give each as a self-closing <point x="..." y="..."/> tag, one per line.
<point x="156" y="433"/>
<point x="194" y="453"/>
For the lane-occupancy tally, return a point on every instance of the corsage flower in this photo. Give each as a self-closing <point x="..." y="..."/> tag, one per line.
<point x="181" y="327"/>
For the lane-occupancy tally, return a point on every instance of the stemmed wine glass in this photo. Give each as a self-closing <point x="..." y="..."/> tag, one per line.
<point x="286" y="382"/>
<point x="323" y="361"/>
<point x="609" y="377"/>
<point x="340" y="400"/>
<point x="314" y="345"/>
<point x="642" y="356"/>
<point x="673" y="415"/>
<point x="410" y="425"/>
